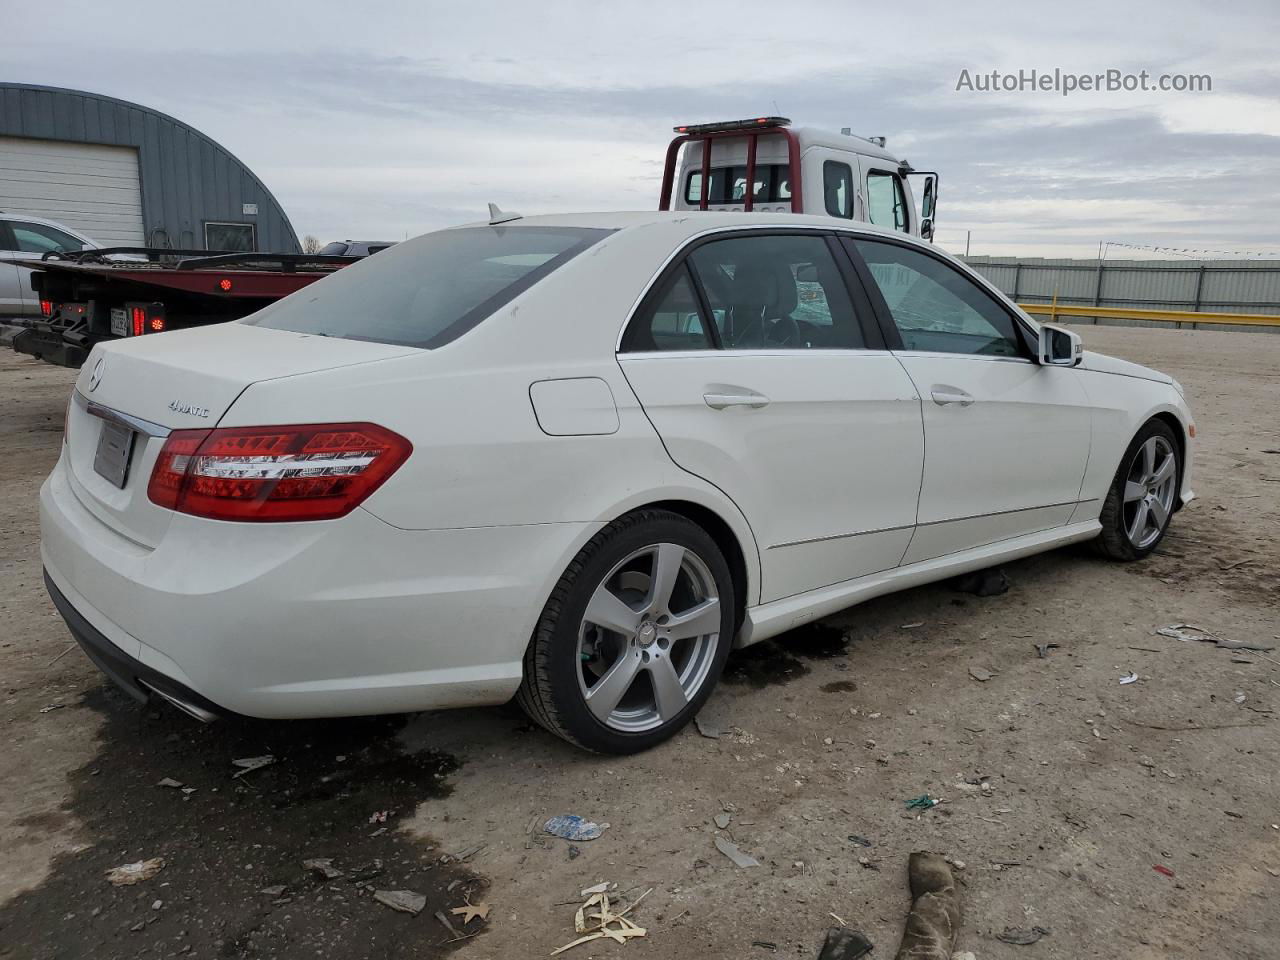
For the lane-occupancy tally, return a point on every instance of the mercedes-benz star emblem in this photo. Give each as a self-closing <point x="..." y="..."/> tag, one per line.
<point x="95" y="378"/>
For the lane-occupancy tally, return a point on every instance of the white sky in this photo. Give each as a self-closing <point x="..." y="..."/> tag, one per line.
<point x="389" y="119"/>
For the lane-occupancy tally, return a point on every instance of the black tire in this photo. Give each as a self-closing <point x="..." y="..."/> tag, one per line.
<point x="1114" y="542"/>
<point x="551" y="692"/>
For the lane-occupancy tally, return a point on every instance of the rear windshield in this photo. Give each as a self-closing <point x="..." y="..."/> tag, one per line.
<point x="429" y="290"/>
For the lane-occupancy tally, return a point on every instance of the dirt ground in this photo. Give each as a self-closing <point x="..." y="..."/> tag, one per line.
<point x="1091" y="784"/>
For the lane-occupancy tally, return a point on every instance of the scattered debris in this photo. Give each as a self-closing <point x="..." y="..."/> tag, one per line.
<point x="722" y="820"/>
<point x="126" y="875"/>
<point x="706" y="728"/>
<point x="766" y="945"/>
<point x="860" y="841"/>
<point x="1042" y="649"/>
<point x="844" y="944"/>
<point x="1233" y="813"/>
<point x="982" y="583"/>
<point x="868" y="864"/>
<point x="922" y="802"/>
<point x="470" y="911"/>
<point x="574" y="852"/>
<point x="250" y="764"/>
<point x="157" y="904"/>
<point x="569" y="826"/>
<point x="444" y="922"/>
<point x="171" y="783"/>
<point x="51" y="707"/>
<point x="1188" y="632"/>
<point x="467" y="853"/>
<point x="731" y="851"/>
<point x="1162" y="869"/>
<point x="981" y="675"/>
<point x="912" y="626"/>
<point x="1021" y="937"/>
<point x="1129" y="678"/>
<point x="323" y="866"/>
<point x="602" y="887"/>
<point x="607" y="924"/>
<point x="276" y="891"/>
<point x="934" y="921"/>
<point x="379" y="816"/>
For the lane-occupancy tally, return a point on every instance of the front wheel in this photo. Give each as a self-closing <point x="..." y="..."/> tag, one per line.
<point x="634" y="636"/>
<point x="1140" y="503"/>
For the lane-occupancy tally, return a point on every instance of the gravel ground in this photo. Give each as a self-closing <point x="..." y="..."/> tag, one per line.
<point x="825" y="734"/>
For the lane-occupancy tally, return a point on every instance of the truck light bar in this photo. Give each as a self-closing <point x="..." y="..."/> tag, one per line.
<point x="723" y="125"/>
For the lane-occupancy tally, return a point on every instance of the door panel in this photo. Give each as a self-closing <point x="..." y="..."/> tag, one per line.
<point x="11" y="299"/>
<point x="821" y="450"/>
<point x="1006" y="444"/>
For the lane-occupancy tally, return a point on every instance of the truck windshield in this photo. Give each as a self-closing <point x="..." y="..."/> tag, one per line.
<point x="430" y="290"/>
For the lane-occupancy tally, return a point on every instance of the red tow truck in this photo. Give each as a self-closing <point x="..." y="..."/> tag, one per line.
<point x="103" y="294"/>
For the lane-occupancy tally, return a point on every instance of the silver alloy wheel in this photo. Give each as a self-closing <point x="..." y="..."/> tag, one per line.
<point x="649" y="637"/>
<point x="1149" y="489"/>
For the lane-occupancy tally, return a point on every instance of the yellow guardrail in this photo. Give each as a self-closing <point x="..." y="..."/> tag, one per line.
<point x="1055" y="310"/>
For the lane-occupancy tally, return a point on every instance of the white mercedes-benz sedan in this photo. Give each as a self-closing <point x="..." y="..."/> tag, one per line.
<point x="577" y="459"/>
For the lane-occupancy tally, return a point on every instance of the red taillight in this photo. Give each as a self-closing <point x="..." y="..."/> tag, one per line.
<point x="139" y="321"/>
<point x="225" y="284"/>
<point x="156" y="324"/>
<point x="300" y="472"/>
<point x="46" y="308"/>
<point x="145" y="317"/>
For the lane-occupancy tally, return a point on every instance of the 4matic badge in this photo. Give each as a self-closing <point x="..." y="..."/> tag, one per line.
<point x="179" y="406"/>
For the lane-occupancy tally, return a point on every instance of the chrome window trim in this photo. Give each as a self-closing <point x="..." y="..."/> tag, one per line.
<point x="137" y="424"/>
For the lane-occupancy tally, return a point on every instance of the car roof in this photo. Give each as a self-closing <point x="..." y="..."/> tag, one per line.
<point x="690" y="223"/>
<point x="28" y="218"/>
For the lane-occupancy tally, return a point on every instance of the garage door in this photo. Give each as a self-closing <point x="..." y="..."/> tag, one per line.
<point x="91" y="188"/>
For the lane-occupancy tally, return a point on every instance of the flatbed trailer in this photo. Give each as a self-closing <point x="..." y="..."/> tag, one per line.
<point x="95" y="295"/>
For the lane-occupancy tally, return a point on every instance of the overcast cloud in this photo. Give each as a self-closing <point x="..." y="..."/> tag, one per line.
<point x="390" y="119"/>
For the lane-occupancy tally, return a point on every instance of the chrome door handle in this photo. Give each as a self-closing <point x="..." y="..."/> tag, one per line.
<point x="718" y="401"/>
<point x="943" y="395"/>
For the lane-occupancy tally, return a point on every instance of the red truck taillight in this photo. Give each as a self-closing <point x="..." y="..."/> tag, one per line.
<point x="317" y="471"/>
<point x="145" y="317"/>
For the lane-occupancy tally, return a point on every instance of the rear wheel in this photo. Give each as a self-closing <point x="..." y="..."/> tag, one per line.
<point x="1140" y="503"/>
<point x="634" y="637"/>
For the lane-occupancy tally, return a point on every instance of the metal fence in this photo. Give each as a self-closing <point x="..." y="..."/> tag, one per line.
<point x="1178" y="286"/>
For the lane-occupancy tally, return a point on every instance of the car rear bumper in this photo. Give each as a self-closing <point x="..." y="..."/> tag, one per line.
<point x="133" y="676"/>
<point x="293" y="620"/>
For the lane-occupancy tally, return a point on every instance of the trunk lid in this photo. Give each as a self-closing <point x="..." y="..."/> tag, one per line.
<point x="130" y="393"/>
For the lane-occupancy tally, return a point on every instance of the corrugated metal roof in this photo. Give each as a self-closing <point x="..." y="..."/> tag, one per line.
<point x="187" y="178"/>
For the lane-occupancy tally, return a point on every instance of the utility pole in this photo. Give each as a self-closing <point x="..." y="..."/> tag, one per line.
<point x="966" y="242"/>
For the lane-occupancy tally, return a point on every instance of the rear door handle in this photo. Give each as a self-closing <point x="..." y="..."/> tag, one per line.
<point x="718" y="401"/>
<point x="943" y="395"/>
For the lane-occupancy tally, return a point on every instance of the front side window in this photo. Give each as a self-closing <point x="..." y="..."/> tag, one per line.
<point x="38" y="238"/>
<point x="776" y="292"/>
<point x="886" y="201"/>
<point x="837" y="188"/>
<point x="430" y="290"/>
<point x="935" y="307"/>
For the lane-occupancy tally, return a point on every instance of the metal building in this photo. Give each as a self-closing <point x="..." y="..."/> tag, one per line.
<point x="127" y="175"/>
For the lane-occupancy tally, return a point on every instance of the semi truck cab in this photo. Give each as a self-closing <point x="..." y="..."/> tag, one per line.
<point x="797" y="170"/>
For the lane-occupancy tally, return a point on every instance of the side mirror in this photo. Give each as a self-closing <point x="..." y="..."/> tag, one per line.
<point x="926" y="229"/>
<point x="1060" y="347"/>
<point x="927" y="200"/>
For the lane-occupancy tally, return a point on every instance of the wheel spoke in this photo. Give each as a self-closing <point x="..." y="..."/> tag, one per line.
<point x="1139" y="524"/>
<point x="667" y="691"/>
<point x="1158" y="513"/>
<point x="1149" y="458"/>
<point x="603" y="698"/>
<point x="1165" y="472"/>
<point x="696" y="621"/>
<point x="1134" y="491"/>
<point x="666" y="569"/>
<point x="607" y="610"/>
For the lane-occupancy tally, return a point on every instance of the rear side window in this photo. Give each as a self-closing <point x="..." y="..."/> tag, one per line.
<point x="837" y="189"/>
<point x="37" y="238"/>
<point x="673" y="322"/>
<point x="429" y="290"/>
